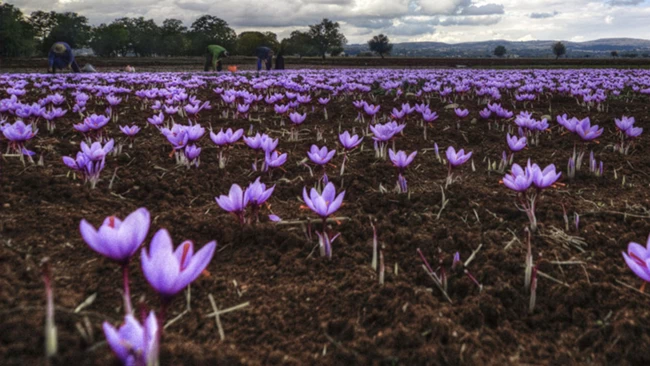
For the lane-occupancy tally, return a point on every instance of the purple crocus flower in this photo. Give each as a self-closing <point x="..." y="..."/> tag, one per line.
<point x="297" y="118"/>
<point x="370" y="109"/>
<point x="96" y="151"/>
<point x="226" y="138"/>
<point x="96" y="122"/>
<point x="320" y="156"/>
<point x="78" y="164"/>
<point x="457" y="158"/>
<point x="516" y="144"/>
<point x="194" y="132"/>
<point x="461" y="113"/>
<point x="192" y="152"/>
<point x="133" y="343"/>
<point x="634" y="132"/>
<point x="268" y="144"/>
<point x="281" y="109"/>
<point x="400" y="159"/>
<point x="255" y="142"/>
<point x="256" y="193"/>
<point x="275" y="159"/>
<point x="638" y="259"/>
<point x="157" y="119"/>
<point x="117" y="239"/>
<point x="625" y="123"/>
<point x="323" y="204"/>
<point x="485" y="113"/>
<point x="177" y="136"/>
<point x="519" y="179"/>
<point x="429" y="116"/>
<point x="113" y="100"/>
<point x="169" y="271"/>
<point x="348" y="141"/>
<point x="243" y="108"/>
<point x="18" y="132"/>
<point x="586" y="131"/>
<point x="323" y="101"/>
<point x="235" y="202"/>
<point x="386" y="131"/>
<point x="543" y="178"/>
<point x="130" y="131"/>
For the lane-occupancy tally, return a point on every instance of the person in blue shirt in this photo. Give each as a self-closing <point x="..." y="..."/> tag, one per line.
<point x="61" y="57"/>
<point x="264" y="54"/>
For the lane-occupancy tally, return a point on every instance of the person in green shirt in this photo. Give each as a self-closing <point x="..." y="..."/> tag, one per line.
<point x="213" y="56"/>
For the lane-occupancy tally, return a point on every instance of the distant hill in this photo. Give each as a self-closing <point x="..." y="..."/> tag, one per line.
<point x="626" y="47"/>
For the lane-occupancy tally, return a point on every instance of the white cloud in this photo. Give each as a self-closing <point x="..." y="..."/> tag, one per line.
<point x="402" y="20"/>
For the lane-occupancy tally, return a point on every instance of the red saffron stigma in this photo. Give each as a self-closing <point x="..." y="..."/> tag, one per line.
<point x="111" y="222"/>
<point x="186" y="249"/>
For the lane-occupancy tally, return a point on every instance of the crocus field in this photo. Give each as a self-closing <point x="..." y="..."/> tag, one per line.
<point x="325" y="217"/>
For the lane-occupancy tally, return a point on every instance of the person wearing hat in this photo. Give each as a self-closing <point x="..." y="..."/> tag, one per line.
<point x="213" y="56"/>
<point x="61" y="57"/>
<point x="264" y="54"/>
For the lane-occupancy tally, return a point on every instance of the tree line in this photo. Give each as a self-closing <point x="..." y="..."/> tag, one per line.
<point x="22" y="35"/>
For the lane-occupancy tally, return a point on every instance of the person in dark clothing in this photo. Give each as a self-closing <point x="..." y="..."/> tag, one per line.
<point x="279" y="62"/>
<point x="61" y="57"/>
<point x="264" y="54"/>
<point x="213" y="56"/>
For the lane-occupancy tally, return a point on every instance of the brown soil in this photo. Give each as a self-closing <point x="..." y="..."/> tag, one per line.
<point x="307" y="310"/>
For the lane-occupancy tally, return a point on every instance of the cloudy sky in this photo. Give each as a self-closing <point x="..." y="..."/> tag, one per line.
<point x="402" y="20"/>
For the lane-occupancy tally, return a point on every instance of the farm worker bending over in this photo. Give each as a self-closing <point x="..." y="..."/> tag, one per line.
<point x="61" y="57"/>
<point x="213" y="57"/>
<point x="264" y="54"/>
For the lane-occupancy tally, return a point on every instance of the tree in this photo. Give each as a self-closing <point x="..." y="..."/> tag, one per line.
<point x="247" y="42"/>
<point x="174" y="40"/>
<point x="500" y="51"/>
<point x="42" y="22"/>
<point x="110" y="40"/>
<point x="207" y="30"/>
<point x="144" y="35"/>
<point x="559" y="49"/>
<point x="16" y="35"/>
<point x="614" y="53"/>
<point x="70" y="28"/>
<point x="380" y="44"/>
<point x="326" y="37"/>
<point x="299" y="43"/>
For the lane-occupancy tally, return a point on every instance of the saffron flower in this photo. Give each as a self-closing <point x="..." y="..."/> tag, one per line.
<point x="116" y="239"/>
<point x="625" y="123"/>
<point x="297" y="118"/>
<point x="519" y="179"/>
<point x="400" y="159"/>
<point x="543" y="178"/>
<point x="516" y="144"/>
<point x="323" y="204"/>
<point x="130" y="131"/>
<point x="348" y="141"/>
<point x="461" y="113"/>
<point x="96" y="151"/>
<point x="235" y="202"/>
<point x="228" y="137"/>
<point x="274" y="159"/>
<point x="638" y="259"/>
<point x="457" y="158"/>
<point x="133" y="343"/>
<point x="169" y="271"/>
<point x="157" y="119"/>
<point x="320" y="156"/>
<point x="586" y="131"/>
